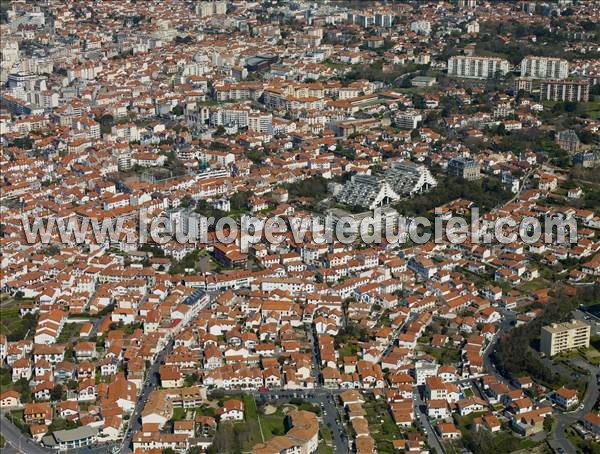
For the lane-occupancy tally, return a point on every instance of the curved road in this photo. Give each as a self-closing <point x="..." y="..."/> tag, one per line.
<point x="558" y="440"/>
<point x="563" y="420"/>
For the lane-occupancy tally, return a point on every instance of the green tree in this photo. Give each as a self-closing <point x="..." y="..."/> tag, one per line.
<point x="56" y="393"/>
<point x="192" y="379"/>
<point x="239" y="200"/>
<point x="314" y="187"/>
<point x="22" y="387"/>
<point x="225" y="440"/>
<point x="548" y="423"/>
<point x="62" y="424"/>
<point x="23" y="142"/>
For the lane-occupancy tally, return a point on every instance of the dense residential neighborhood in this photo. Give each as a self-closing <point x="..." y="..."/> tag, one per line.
<point x="139" y="313"/>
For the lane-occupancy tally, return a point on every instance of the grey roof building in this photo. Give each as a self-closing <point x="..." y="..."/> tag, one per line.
<point x="402" y="180"/>
<point x="62" y="440"/>
<point x="464" y="167"/>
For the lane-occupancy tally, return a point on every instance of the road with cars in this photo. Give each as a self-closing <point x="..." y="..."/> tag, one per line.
<point x="153" y="378"/>
<point x="420" y="410"/>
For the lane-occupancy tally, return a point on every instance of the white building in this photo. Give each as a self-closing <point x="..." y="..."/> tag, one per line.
<point x="211" y="8"/>
<point x="408" y="119"/>
<point x="544" y="68"/>
<point x="477" y="67"/>
<point x="422" y="27"/>
<point x="424" y="369"/>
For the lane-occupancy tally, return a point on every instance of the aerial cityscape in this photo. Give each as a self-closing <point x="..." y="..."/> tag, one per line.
<point x="300" y="227"/>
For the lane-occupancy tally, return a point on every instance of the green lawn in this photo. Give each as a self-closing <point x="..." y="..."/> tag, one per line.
<point x="444" y="355"/>
<point x="13" y="326"/>
<point x="592" y="354"/>
<point x="326" y="434"/>
<point x="272" y="425"/>
<point x="348" y="349"/>
<point x="205" y="410"/>
<point x="533" y="285"/>
<point x="381" y="425"/>
<point x="247" y="433"/>
<point x="324" y="449"/>
<point x="249" y="407"/>
<point x="69" y="331"/>
<point x="178" y="414"/>
<point x="591" y="108"/>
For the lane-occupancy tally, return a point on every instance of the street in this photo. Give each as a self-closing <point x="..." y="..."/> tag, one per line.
<point x="506" y="325"/>
<point x="152" y="381"/>
<point x="17" y="441"/>
<point x="152" y="377"/>
<point x="420" y="411"/>
<point x="563" y="420"/>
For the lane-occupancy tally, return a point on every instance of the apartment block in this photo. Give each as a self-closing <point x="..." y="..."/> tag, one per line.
<point x="561" y="337"/>
<point x="408" y="119"/>
<point x="565" y="90"/>
<point x="463" y="167"/>
<point x="210" y="8"/>
<point x="477" y="67"/>
<point x="544" y="68"/>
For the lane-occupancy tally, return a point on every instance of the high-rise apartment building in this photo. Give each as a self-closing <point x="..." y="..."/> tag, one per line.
<point x="477" y="67"/>
<point x="561" y="337"/>
<point x="211" y="8"/>
<point x="544" y="68"/>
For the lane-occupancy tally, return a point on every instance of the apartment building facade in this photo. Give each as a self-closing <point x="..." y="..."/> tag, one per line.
<point x="477" y="67"/>
<point x="561" y="337"/>
<point x="544" y="68"/>
<point x="463" y="167"/>
<point x="565" y="90"/>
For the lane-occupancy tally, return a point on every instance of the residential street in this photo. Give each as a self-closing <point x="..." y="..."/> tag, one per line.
<point x="16" y="441"/>
<point x="564" y="420"/>
<point x="508" y="317"/>
<point x="421" y="415"/>
<point x="153" y="380"/>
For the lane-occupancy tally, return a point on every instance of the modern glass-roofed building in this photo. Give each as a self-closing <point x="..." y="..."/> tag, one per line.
<point x="403" y="180"/>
